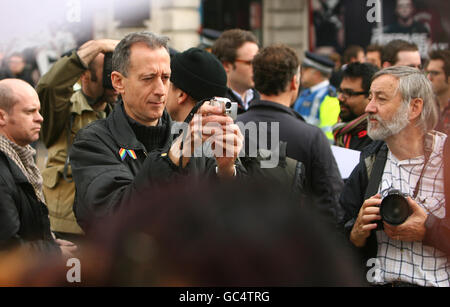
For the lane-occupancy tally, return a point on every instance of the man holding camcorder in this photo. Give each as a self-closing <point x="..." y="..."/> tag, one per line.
<point x="394" y="200"/>
<point x="115" y="159"/>
<point x="65" y="112"/>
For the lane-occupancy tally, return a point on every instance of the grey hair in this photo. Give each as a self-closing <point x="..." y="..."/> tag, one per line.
<point x="412" y="83"/>
<point x="121" y="55"/>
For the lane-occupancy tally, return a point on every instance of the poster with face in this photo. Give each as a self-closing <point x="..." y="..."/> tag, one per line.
<point x="337" y="24"/>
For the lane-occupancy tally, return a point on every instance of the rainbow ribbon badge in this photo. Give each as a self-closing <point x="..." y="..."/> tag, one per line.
<point x="124" y="152"/>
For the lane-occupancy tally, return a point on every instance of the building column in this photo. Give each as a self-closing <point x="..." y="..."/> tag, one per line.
<point x="177" y="19"/>
<point x="180" y="21"/>
<point x="286" y="21"/>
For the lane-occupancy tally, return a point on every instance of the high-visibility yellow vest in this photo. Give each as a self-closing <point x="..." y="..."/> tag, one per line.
<point x="328" y="115"/>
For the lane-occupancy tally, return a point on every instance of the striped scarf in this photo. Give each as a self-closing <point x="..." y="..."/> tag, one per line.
<point x="343" y="132"/>
<point x="23" y="158"/>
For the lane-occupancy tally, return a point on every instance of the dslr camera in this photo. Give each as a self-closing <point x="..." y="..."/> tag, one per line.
<point x="230" y="108"/>
<point x="394" y="208"/>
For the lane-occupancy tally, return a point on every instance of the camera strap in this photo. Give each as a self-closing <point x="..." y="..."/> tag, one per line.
<point x="380" y="162"/>
<point x="377" y="172"/>
<point x="194" y="110"/>
<point x="187" y="120"/>
<point x="427" y="150"/>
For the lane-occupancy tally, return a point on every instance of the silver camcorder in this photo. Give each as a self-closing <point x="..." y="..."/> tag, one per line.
<point x="230" y="108"/>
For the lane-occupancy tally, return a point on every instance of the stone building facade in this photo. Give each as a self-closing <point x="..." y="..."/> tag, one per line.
<point x="283" y="21"/>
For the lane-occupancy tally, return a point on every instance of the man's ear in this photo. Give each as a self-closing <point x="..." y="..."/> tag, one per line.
<point x="182" y="97"/>
<point x="86" y="76"/>
<point x="415" y="108"/>
<point x="228" y="66"/>
<point x="117" y="80"/>
<point x="295" y="82"/>
<point x="3" y="118"/>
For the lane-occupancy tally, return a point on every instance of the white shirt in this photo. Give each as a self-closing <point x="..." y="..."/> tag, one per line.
<point x="413" y="262"/>
<point x="248" y="97"/>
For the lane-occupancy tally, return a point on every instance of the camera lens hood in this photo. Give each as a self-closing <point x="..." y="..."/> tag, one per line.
<point x="394" y="208"/>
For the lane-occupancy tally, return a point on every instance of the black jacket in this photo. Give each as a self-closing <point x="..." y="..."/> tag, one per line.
<point x="104" y="182"/>
<point x="352" y="197"/>
<point x="230" y="95"/>
<point x="23" y="217"/>
<point x="305" y="143"/>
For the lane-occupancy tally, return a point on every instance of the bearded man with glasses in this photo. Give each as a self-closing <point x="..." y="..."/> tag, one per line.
<point x="353" y="93"/>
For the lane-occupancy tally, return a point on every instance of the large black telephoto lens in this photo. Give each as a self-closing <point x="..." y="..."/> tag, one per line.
<point x="394" y="208"/>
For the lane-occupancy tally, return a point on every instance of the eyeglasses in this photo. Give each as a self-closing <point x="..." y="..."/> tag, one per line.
<point x="349" y="93"/>
<point x="433" y="73"/>
<point x="248" y="62"/>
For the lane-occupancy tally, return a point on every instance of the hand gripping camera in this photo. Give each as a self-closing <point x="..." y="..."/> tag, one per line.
<point x="394" y="208"/>
<point x="230" y="108"/>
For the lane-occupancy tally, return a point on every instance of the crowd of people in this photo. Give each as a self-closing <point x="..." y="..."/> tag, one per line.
<point x="146" y="166"/>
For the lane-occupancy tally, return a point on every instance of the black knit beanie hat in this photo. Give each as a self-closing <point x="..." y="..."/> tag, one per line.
<point x="198" y="73"/>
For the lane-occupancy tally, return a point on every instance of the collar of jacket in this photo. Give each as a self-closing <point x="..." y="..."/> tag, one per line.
<point x="275" y="106"/>
<point x="234" y="98"/>
<point x="124" y="136"/>
<point x="79" y="103"/>
<point x="16" y="173"/>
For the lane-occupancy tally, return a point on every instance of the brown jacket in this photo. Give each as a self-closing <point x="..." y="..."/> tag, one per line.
<point x="61" y="105"/>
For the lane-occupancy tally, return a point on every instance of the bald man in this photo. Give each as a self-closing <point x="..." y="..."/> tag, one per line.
<point x="23" y="213"/>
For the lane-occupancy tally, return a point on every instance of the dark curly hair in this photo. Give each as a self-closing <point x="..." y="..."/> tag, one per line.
<point x="365" y="71"/>
<point x="273" y="68"/>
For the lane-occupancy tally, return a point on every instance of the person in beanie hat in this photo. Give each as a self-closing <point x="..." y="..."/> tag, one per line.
<point x="317" y="103"/>
<point x="117" y="158"/>
<point x="196" y="75"/>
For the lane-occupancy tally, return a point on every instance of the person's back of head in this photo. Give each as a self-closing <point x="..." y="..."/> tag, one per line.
<point x="353" y="53"/>
<point x="203" y="233"/>
<point x="374" y="54"/>
<point x="390" y="53"/>
<point x="337" y="59"/>
<point x="274" y="67"/>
